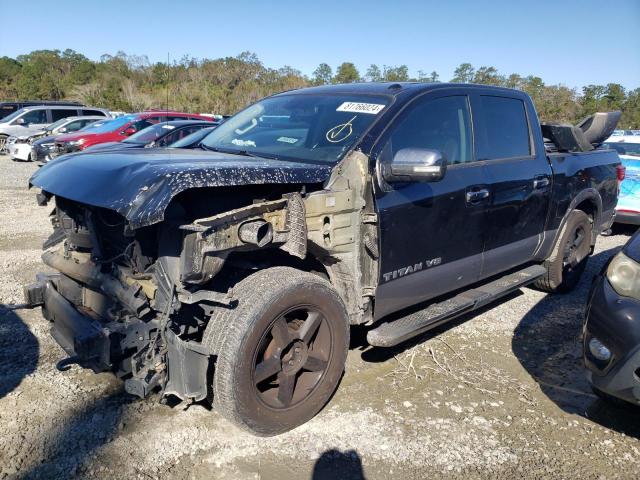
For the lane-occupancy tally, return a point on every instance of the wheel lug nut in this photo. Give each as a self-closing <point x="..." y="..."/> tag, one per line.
<point x="297" y="350"/>
<point x="290" y="362"/>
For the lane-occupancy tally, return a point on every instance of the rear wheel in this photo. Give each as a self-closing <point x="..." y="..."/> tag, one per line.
<point x="570" y="255"/>
<point x="3" y="143"/>
<point x="280" y="352"/>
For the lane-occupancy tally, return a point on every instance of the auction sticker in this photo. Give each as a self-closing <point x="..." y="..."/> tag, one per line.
<point x="356" y="107"/>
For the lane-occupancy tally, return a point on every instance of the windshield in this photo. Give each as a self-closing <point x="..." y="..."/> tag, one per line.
<point x="192" y="139"/>
<point x="109" y="126"/>
<point x="624" y="148"/>
<point x="14" y="115"/>
<point x="298" y="127"/>
<point x="62" y="121"/>
<point x="150" y="134"/>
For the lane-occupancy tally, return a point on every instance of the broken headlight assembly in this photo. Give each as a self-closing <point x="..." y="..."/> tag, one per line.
<point x="623" y="274"/>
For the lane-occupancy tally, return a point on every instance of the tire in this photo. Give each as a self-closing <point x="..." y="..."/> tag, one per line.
<point x="570" y="255"/>
<point x="280" y="352"/>
<point x="3" y="143"/>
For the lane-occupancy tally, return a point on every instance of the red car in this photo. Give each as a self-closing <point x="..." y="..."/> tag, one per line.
<point x="117" y="129"/>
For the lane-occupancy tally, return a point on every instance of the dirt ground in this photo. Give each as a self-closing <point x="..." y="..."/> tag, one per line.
<point x="499" y="394"/>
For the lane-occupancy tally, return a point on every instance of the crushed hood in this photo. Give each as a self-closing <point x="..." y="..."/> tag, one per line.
<point x="140" y="183"/>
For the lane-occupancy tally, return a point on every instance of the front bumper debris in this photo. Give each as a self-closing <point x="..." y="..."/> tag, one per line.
<point x="102" y="345"/>
<point x="80" y="336"/>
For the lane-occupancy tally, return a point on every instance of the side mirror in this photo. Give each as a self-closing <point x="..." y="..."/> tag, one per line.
<point x="62" y="130"/>
<point x="20" y="121"/>
<point x="415" y="165"/>
<point x="129" y="131"/>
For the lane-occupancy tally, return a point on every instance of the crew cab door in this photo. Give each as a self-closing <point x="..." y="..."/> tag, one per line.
<point x="430" y="233"/>
<point x="518" y="176"/>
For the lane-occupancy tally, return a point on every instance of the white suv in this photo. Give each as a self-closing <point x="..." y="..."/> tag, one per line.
<point x="29" y="120"/>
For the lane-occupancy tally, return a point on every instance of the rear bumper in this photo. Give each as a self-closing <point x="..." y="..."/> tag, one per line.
<point x="628" y="217"/>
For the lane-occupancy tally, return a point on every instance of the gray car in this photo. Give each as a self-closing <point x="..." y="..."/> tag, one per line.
<point x="35" y="147"/>
<point x="30" y="120"/>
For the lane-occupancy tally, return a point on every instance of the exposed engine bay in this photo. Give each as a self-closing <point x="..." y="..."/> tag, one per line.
<point x="136" y="301"/>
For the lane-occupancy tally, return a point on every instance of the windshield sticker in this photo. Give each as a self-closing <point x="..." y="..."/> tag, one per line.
<point x="355" y="107"/>
<point x="340" y="132"/>
<point x="287" y="140"/>
<point x="243" y="143"/>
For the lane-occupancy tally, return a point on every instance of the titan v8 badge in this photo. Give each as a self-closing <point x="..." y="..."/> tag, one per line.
<point x="404" y="271"/>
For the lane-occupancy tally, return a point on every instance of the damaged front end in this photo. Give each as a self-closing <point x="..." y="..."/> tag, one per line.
<point x="134" y="297"/>
<point x="110" y="303"/>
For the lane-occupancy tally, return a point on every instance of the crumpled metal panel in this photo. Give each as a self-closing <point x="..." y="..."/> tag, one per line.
<point x="140" y="184"/>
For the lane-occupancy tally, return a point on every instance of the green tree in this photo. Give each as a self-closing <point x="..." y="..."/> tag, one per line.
<point x="464" y="73"/>
<point x="395" y="74"/>
<point x="373" y="73"/>
<point x="346" y="73"/>
<point x="322" y="75"/>
<point x="488" y="76"/>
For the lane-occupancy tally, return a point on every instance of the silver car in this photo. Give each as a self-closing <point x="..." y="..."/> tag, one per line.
<point x="23" y="147"/>
<point x="30" y="120"/>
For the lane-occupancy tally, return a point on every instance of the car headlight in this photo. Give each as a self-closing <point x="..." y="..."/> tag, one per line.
<point x="22" y="140"/>
<point x="624" y="276"/>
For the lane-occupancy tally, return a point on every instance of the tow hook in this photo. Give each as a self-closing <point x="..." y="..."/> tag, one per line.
<point x="64" y="364"/>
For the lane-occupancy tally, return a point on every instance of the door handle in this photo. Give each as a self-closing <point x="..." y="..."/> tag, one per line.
<point x="476" y="196"/>
<point x="541" y="182"/>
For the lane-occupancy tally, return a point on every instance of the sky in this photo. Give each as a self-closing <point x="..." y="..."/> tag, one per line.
<point x="574" y="43"/>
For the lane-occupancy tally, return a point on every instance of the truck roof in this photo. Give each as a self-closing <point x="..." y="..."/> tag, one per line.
<point x="392" y="88"/>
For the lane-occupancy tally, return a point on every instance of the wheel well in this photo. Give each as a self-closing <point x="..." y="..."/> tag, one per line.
<point x="590" y="208"/>
<point x="240" y="265"/>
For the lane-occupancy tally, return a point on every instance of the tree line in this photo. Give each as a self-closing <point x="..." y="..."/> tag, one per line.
<point x="225" y="85"/>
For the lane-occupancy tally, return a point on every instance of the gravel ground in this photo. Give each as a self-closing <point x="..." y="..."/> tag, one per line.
<point x="498" y="394"/>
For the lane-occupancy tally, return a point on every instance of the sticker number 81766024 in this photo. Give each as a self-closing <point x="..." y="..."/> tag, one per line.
<point x="356" y="107"/>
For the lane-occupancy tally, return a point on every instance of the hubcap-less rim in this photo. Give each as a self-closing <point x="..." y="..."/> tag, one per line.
<point x="573" y="252"/>
<point x="292" y="357"/>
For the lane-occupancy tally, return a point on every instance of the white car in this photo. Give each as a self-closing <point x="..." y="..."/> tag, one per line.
<point x="29" y="120"/>
<point x="21" y="148"/>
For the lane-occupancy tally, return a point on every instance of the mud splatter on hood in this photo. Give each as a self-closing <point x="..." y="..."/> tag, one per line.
<point x="139" y="184"/>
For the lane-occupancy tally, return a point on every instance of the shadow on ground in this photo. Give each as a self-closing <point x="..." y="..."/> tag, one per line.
<point x="334" y="464"/>
<point x="19" y="350"/>
<point x="548" y="344"/>
<point x="66" y="451"/>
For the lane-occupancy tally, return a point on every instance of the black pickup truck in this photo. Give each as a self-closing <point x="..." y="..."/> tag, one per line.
<point x="231" y="273"/>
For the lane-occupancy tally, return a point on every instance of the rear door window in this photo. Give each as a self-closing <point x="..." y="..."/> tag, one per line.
<point x="503" y="128"/>
<point x="60" y="113"/>
<point x="93" y="112"/>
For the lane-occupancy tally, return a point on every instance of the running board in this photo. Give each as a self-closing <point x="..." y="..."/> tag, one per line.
<point x="397" y="331"/>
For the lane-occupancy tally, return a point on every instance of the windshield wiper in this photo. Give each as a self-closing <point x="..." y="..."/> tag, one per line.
<point x="244" y="153"/>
